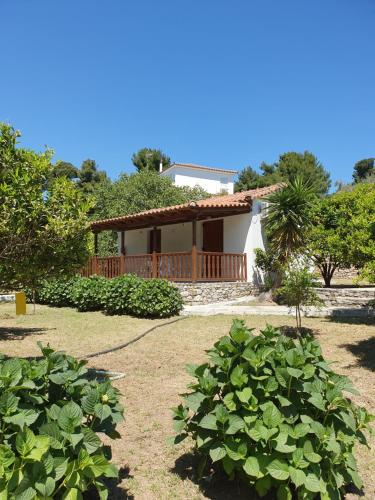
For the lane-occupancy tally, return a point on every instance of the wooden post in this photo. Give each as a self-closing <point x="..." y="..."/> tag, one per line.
<point x="245" y="267"/>
<point x="122" y="245"/>
<point x="122" y="264"/>
<point x="154" y="256"/>
<point x="94" y="265"/>
<point x="194" y="252"/>
<point x="96" y="243"/>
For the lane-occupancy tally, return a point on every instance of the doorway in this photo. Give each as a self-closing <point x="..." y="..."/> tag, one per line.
<point x="213" y="241"/>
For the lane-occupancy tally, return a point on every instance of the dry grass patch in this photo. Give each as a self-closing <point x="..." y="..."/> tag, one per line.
<point x="155" y="375"/>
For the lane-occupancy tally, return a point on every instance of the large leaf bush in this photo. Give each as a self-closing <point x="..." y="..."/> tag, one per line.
<point x="155" y="299"/>
<point x="125" y="294"/>
<point x="56" y="292"/>
<point x="88" y="294"/>
<point x="51" y="416"/>
<point x="118" y="294"/>
<point x="269" y="409"/>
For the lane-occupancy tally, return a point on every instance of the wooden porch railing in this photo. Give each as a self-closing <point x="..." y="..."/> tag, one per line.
<point x="176" y="266"/>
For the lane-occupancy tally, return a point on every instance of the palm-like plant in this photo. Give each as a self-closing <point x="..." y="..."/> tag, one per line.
<point x="288" y="217"/>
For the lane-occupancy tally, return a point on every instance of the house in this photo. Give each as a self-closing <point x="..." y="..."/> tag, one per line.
<point x="211" y="179"/>
<point x="211" y="240"/>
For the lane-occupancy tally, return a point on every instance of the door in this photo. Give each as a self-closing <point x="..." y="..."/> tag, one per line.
<point x="213" y="241"/>
<point x="154" y="241"/>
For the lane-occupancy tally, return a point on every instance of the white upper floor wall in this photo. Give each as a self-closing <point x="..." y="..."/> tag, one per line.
<point x="213" y="180"/>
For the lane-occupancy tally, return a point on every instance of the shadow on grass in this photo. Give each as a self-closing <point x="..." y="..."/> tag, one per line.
<point x="364" y="351"/>
<point x="352" y="320"/>
<point x="216" y="484"/>
<point x="114" y="490"/>
<point x="19" y="333"/>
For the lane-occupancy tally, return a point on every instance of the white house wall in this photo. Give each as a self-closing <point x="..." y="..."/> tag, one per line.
<point x="242" y="234"/>
<point x="212" y="182"/>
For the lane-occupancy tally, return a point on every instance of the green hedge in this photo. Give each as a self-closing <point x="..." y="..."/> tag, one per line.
<point x="88" y="294"/>
<point x="126" y="294"/>
<point x="51" y="417"/>
<point x="270" y="410"/>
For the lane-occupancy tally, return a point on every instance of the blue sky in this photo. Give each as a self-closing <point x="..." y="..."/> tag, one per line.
<point x="216" y="82"/>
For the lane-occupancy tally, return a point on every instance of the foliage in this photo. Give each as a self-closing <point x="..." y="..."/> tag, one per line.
<point x="57" y="292"/>
<point x="50" y="416"/>
<point x="266" y="261"/>
<point x="125" y="294"/>
<point x="342" y="233"/>
<point x="150" y="159"/>
<point x="269" y="409"/>
<point x="298" y="289"/>
<point x="116" y="300"/>
<point x="289" y="166"/>
<point x="88" y="294"/>
<point x="43" y="232"/>
<point x="90" y="176"/>
<point x="288" y="218"/>
<point x="134" y="193"/>
<point x="363" y="169"/>
<point x="154" y="298"/>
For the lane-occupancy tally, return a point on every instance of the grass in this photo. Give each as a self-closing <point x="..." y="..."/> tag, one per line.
<point x="155" y="375"/>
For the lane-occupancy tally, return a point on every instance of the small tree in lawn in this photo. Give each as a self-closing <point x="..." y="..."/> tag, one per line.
<point x="298" y="291"/>
<point x="43" y="232"/>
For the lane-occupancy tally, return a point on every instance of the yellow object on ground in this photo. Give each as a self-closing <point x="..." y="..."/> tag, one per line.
<point x="20" y="303"/>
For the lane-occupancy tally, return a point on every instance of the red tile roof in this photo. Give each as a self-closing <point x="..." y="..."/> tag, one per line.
<point x="202" y="167"/>
<point x="241" y="200"/>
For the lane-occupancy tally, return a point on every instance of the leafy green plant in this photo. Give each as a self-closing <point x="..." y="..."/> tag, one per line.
<point x="298" y="290"/>
<point x="88" y="294"/>
<point x="269" y="409"/>
<point x="57" y="292"/>
<point x="155" y="299"/>
<point x="50" y="414"/>
<point x="116" y="300"/>
<point x="266" y="261"/>
<point x="142" y="298"/>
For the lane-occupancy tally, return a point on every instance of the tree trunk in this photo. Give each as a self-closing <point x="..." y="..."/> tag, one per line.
<point x="33" y="299"/>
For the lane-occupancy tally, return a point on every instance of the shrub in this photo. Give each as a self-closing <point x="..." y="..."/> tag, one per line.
<point x="155" y="299"/>
<point x="298" y="290"/>
<point x="269" y="409"/>
<point x="142" y="298"/>
<point x="57" y="292"/>
<point x="50" y="414"/>
<point x="88" y="294"/>
<point x="116" y="299"/>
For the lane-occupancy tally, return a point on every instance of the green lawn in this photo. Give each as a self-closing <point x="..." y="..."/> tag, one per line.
<point x="155" y="375"/>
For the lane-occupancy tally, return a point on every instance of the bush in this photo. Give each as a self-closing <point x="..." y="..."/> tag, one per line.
<point x="57" y="292"/>
<point x="88" y="294"/>
<point x="50" y="414"/>
<point x="126" y="294"/>
<point x="116" y="300"/>
<point x="155" y="299"/>
<point x="142" y="298"/>
<point x="269" y="409"/>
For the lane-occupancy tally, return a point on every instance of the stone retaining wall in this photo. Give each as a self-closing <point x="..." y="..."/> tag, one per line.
<point x="206" y="293"/>
<point x="346" y="297"/>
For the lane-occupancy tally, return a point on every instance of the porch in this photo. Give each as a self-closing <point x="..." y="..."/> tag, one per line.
<point x="177" y="266"/>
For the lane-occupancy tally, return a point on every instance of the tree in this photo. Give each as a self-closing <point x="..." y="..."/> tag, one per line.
<point x="363" y="169"/>
<point x="288" y="167"/>
<point x="90" y="176"/>
<point x="135" y="193"/>
<point x="150" y="159"/>
<point x="43" y="232"/>
<point x="298" y="291"/>
<point x="64" y="169"/>
<point x="288" y="218"/>
<point x="343" y="232"/>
